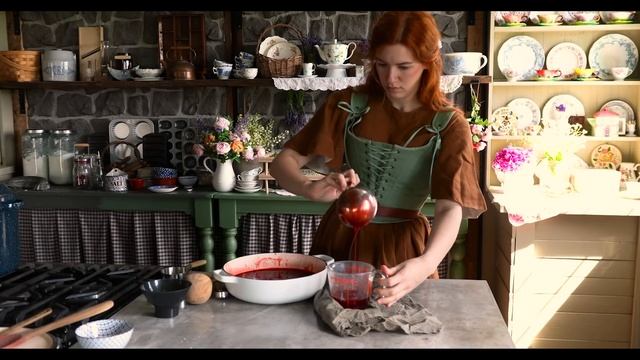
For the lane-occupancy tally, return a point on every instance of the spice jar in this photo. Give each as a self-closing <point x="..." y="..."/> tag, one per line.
<point x="60" y="156"/>
<point x="34" y="153"/>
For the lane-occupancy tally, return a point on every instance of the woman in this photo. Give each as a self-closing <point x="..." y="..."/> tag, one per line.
<point x="404" y="141"/>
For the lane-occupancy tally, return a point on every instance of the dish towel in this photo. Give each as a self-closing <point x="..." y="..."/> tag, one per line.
<point x="405" y="315"/>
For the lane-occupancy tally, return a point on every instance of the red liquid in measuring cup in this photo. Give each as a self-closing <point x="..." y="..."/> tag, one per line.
<point x="352" y="301"/>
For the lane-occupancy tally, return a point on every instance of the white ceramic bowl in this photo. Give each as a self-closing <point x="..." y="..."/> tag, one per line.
<point x="274" y="291"/>
<point x="121" y="74"/>
<point x="104" y="334"/>
<point x="187" y="180"/>
<point x="148" y="73"/>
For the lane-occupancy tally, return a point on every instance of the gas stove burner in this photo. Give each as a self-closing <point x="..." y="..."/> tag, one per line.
<point x="67" y="288"/>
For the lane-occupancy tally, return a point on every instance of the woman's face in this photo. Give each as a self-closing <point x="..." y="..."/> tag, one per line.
<point x="398" y="71"/>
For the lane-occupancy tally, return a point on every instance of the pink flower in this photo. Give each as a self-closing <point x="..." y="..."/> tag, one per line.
<point x="245" y="136"/>
<point x="198" y="150"/>
<point x="260" y="152"/>
<point x="221" y="124"/>
<point x="223" y="148"/>
<point x="248" y="153"/>
<point x="479" y="146"/>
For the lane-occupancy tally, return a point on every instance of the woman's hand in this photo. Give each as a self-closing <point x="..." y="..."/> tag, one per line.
<point x="331" y="186"/>
<point x="401" y="280"/>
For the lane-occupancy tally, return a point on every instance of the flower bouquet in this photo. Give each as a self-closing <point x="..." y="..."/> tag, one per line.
<point x="514" y="167"/>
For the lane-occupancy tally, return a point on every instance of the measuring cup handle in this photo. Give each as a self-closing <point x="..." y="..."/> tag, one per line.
<point x="378" y="275"/>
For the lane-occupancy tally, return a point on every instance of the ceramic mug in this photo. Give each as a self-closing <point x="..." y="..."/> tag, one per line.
<point x="549" y="18"/>
<point x="464" y="63"/>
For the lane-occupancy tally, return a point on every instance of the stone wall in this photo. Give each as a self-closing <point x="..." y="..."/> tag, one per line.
<point x="89" y="111"/>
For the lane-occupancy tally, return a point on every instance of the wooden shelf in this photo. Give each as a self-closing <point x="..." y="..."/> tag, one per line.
<point x="114" y="84"/>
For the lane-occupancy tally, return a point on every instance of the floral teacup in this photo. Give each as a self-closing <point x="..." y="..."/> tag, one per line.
<point x="548" y="74"/>
<point x="511" y="74"/>
<point x="514" y="18"/>
<point x="549" y="18"/>
<point x="585" y="73"/>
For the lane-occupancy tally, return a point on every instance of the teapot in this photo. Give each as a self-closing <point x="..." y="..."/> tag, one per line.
<point x="335" y="53"/>
<point x="180" y="69"/>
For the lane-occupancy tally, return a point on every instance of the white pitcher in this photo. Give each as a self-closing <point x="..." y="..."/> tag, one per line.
<point x="223" y="179"/>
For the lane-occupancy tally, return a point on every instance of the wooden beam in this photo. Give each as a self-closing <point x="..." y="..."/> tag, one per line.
<point x="18" y="97"/>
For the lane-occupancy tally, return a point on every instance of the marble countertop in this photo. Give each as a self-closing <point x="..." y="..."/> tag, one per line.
<point x="467" y="309"/>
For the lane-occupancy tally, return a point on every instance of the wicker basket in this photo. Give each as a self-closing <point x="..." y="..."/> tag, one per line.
<point x="21" y="65"/>
<point x="269" y="67"/>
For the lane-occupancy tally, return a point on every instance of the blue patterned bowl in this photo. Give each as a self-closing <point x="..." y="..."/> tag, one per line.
<point x="164" y="172"/>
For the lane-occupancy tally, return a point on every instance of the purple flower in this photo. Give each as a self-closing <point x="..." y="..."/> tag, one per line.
<point x="221" y="124"/>
<point x="511" y="158"/>
<point x="561" y="108"/>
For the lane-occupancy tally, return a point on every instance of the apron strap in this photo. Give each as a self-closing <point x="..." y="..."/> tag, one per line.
<point x="356" y="110"/>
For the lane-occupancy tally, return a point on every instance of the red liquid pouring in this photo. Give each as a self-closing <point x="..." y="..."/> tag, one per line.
<point x="356" y="208"/>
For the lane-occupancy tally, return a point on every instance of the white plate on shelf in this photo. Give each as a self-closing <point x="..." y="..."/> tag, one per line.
<point x="307" y="76"/>
<point x="620" y="107"/>
<point x="283" y="50"/>
<point x="566" y="57"/>
<point x="503" y="121"/>
<point x="605" y="153"/>
<point x="523" y="54"/>
<point x="269" y="42"/>
<point x="560" y="107"/>
<point x="612" y="50"/>
<point x="162" y="188"/>
<point x="527" y="110"/>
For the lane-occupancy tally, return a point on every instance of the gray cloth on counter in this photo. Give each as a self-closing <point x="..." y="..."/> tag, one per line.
<point x="405" y="315"/>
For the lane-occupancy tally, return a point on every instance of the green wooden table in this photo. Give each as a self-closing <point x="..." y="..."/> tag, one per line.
<point x="232" y="205"/>
<point x="198" y="204"/>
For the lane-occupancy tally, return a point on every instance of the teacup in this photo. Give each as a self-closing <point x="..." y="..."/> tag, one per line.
<point x="463" y="63"/>
<point x="220" y="63"/>
<point x="308" y="69"/>
<point x="620" y="72"/>
<point x="549" y="18"/>
<point x="248" y="73"/>
<point x="351" y="283"/>
<point x="584" y="73"/>
<point x="514" y="18"/>
<point x="633" y="187"/>
<point x="511" y="74"/>
<point x="548" y="73"/>
<point x="222" y="72"/>
<point x="587" y="16"/>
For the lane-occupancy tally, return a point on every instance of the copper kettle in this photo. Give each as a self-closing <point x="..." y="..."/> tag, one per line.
<point x="180" y="69"/>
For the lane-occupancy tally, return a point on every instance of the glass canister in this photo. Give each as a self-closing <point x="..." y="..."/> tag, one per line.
<point x="34" y="153"/>
<point x="60" y="155"/>
<point x="82" y="173"/>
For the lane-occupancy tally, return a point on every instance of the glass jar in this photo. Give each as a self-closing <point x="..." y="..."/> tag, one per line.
<point x="82" y="172"/>
<point x="34" y="153"/>
<point x="61" y="157"/>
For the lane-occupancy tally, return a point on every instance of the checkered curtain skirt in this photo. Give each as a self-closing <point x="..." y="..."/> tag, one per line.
<point x="264" y="233"/>
<point x="107" y="237"/>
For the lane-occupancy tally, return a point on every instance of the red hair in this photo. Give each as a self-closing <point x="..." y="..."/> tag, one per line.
<point x="418" y="31"/>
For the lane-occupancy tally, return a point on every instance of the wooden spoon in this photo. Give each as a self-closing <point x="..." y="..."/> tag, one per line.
<point x="14" y="340"/>
<point x="197" y="263"/>
<point x="28" y="321"/>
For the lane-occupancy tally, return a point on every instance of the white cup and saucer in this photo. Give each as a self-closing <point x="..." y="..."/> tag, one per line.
<point x="308" y="70"/>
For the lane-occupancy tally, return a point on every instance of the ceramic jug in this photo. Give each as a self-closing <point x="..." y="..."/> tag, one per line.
<point x="223" y="179"/>
<point x="335" y="53"/>
<point x="58" y="65"/>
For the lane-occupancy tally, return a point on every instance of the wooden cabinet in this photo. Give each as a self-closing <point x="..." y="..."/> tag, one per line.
<point x="570" y="280"/>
